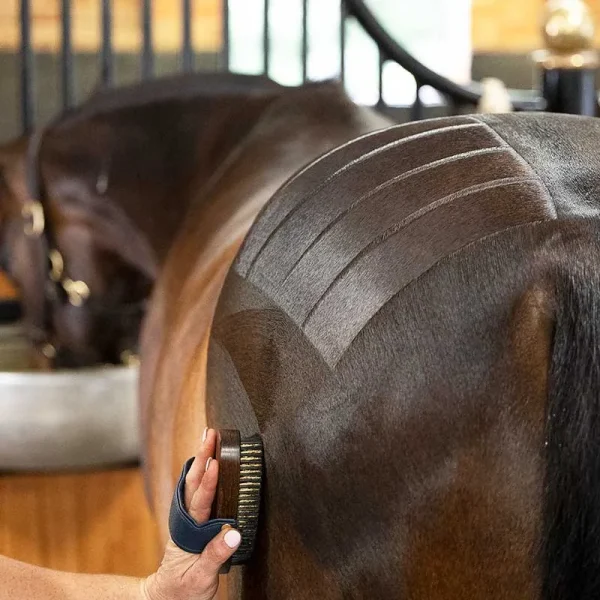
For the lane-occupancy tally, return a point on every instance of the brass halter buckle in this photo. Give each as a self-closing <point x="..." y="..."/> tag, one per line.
<point x="57" y="265"/>
<point x="33" y="214"/>
<point x="77" y="291"/>
<point x="129" y="358"/>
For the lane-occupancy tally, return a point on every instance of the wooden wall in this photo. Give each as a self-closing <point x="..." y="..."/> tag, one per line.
<point x="498" y="25"/>
<point x="95" y="522"/>
<point x="514" y="25"/>
<point x="126" y="32"/>
<point x="7" y="289"/>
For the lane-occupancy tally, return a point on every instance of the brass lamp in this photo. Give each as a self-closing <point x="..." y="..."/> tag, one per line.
<point x="568" y="32"/>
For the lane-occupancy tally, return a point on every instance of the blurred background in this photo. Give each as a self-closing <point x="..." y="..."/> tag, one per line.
<point x="461" y="39"/>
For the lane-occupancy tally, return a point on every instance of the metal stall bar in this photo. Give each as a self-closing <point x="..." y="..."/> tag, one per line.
<point x="27" y="66"/>
<point x="225" y="46"/>
<point x="416" y="111"/>
<point x="381" y="62"/>
<point x="343" y="19"/>
<point x="187" y="55"/>
<point x="67" y="68"/>
<point x="266" y="39"/>
<point x="304" y="40"/>
<point x="106" y="60"/>
<point x="147" y="45"/>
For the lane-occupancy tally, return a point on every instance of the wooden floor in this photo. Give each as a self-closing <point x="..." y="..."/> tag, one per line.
<point x="91" y="522"/>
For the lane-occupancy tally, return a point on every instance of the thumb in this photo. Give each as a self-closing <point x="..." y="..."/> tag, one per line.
<point x="219" y="550"/>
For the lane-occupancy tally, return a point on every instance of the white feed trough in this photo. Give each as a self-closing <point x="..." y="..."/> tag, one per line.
<point x="65" y="419"/>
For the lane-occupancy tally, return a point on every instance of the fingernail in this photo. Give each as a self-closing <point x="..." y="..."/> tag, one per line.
<point x="204" y="434"/>
<point x="207" y="464"/>
<point x="233" y="538"/>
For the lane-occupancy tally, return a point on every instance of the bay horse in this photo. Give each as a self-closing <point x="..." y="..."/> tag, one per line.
<point x="412" y="326"/>
<point x="310" y="121"/>
<point x="90" y="204"/>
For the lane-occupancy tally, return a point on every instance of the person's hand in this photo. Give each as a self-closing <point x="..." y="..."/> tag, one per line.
<point x="184" y="576"/>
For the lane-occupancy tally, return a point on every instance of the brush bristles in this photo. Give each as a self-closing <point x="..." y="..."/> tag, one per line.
<point x="251" y="470"/>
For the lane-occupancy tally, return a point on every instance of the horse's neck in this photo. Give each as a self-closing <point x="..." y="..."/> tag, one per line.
<point x="144" y="168"/>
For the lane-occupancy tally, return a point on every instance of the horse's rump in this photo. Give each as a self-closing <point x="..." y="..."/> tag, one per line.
<point x="387" y="327"/>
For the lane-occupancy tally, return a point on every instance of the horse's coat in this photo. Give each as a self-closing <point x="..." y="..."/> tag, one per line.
<point x="412" y="326"/>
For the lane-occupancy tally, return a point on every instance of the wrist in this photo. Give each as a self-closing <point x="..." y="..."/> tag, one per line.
<point x="146" y="585"/>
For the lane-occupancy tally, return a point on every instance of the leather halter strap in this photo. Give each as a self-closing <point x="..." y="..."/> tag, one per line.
<point x="57" y="286"/>
<point x="40" y="228"/>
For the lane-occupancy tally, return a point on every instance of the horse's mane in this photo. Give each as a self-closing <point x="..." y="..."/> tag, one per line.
<point x="180" y="87"/>
<point x="381" y="276"/>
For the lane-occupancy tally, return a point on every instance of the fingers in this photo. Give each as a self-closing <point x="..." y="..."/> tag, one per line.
<point x="197" y="470"/>
<point x="201" y="503"/>
<point x="219" y="551"/>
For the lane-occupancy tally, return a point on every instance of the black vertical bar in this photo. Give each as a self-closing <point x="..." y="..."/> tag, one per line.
<point x="453" y="106"/>
<point x="67" y="56"/>
<point x="106" y="70"/>
<point x="225" y="48"/>
<point x="343" y="19"/>
<point x="571" y="91"/>
<point x="416" y="111"/>
<point x="266" y="40"/>
<point x="27" y="105"/>
<point x="147" y="46"/>
<point x="381" y="62"/>
<point x="304" y="40"/>
<point x="186" y="50"/>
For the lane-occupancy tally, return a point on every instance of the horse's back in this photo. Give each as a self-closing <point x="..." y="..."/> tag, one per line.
<point x="387" y="329"/>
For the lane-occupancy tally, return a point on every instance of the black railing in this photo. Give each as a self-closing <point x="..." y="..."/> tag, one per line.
<point x="304" y="40"/>
<point x="226" y="43"/>
<point x="27" y="103"/>
<point x="457" y="96"/>
<point x="67" y="68"/>
<point x="106" y="54"/>
<point x="343" y="21"/>
<point x="147" y="45"/>
<point x="187" y="53"/>
<point x="266" y="38"/>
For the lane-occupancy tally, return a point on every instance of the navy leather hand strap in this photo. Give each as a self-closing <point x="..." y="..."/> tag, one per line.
<point x="185" y="532"/>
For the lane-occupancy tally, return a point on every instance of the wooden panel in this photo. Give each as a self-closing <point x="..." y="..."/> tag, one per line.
<point x="506" y="25"/>
<point x="91" y="522"/>
<point x="497" y="25"/>
<point x="207" y="24"/>
<point x="513" y="25"/>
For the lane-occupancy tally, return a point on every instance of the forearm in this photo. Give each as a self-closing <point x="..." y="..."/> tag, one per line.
<point x="20" y="580"/>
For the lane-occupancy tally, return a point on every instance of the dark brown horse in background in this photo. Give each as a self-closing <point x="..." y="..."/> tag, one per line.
<point x="114" y="179"/>
<point x="413" y="327"/>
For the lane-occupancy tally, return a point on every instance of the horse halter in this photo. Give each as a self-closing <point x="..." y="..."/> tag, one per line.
<point x="57" y="285"/>
<point x="36" y="225"/>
